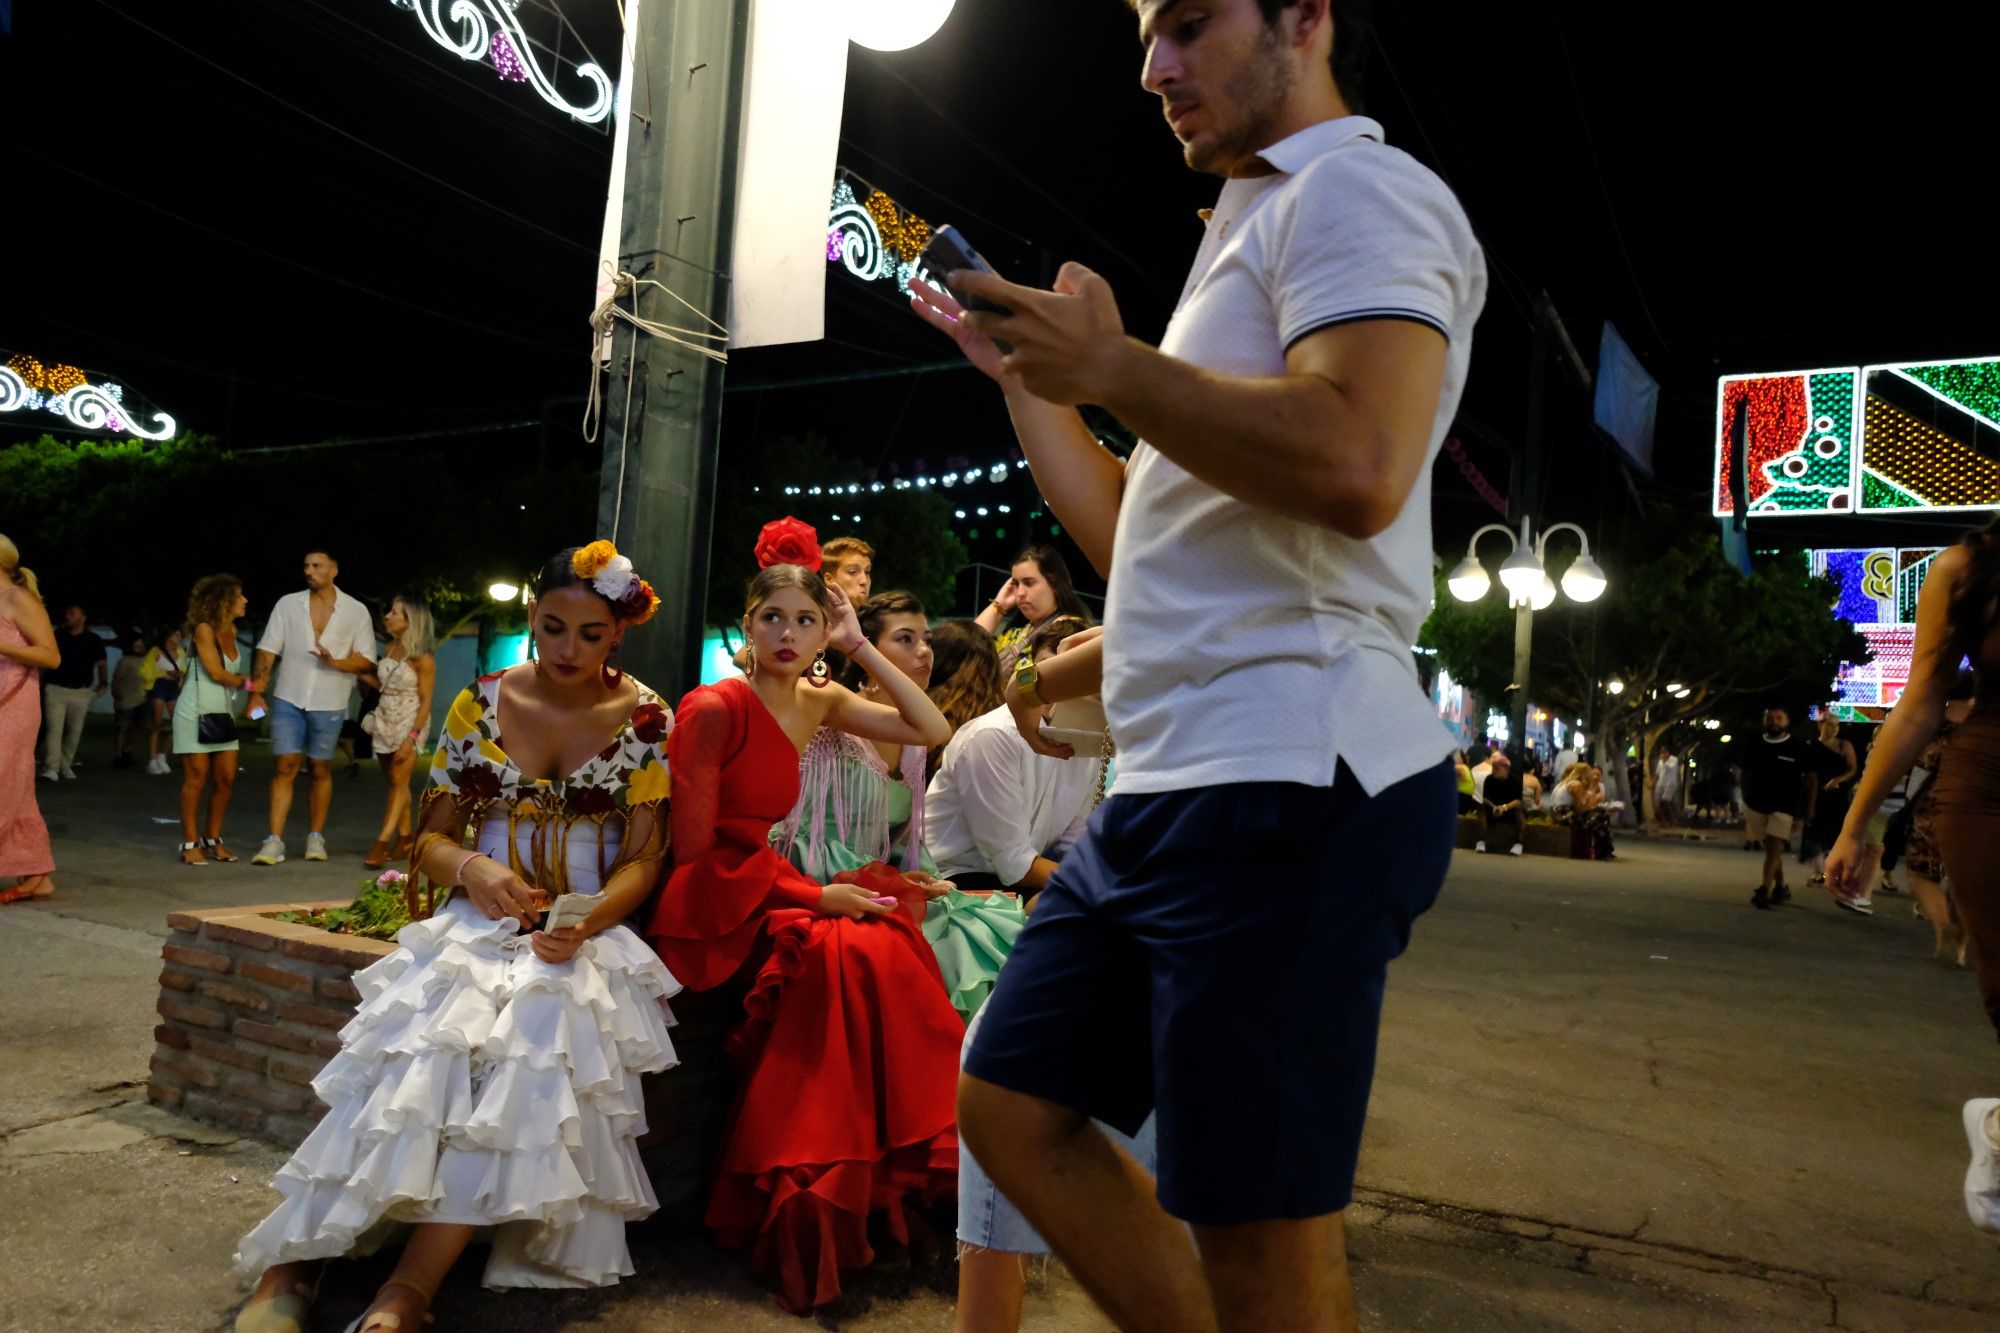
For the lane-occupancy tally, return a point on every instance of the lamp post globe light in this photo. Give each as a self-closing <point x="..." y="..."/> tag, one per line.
<point x="895" y="25"/>
<point x="1525" y="576"/>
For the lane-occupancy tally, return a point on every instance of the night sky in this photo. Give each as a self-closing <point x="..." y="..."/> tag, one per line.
<point x="292" y="221"/>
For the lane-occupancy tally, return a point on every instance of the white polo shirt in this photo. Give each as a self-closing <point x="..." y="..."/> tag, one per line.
<point x="302" y="679"/>
<point x="1242" y="646"/>
<point x="995" y="805"/>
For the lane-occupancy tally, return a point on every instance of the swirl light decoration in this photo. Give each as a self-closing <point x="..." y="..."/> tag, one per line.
<point x="468" y="29"/>
<point x="92" y="408"/>
<point x="855" y="239"/>
<point x="876" y="239"/>
<point x="62" y="390"/>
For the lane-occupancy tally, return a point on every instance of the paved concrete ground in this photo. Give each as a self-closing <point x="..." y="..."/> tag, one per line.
<point x="1610" y="1097"/>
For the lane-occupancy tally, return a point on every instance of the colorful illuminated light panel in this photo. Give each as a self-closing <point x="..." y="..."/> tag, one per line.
<point x="1878" y="594"/>
<point x="1801" y="440"/>
<point x="1931" y="437"/>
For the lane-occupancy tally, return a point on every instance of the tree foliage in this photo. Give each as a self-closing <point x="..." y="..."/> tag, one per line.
<point x="915" y="547"/>
<point x="1675" y="614"/>
<point x="125" y="527"/>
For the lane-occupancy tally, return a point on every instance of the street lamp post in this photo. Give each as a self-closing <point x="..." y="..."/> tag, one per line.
<point x="1524" y="574"/>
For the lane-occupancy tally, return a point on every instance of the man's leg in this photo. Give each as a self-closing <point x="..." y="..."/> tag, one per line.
<point x="79" y="710"/>
<point x="1094" y="1205"/>
<point x="1774" y="861"/>
<point x="52" y="728"/>
<point x="321" y="798"/>
<point x="281" y="791"/>
<point x="1283" y="1274"/>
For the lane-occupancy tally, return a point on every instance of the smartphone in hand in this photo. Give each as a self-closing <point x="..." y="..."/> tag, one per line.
<point x="948" y="252"/>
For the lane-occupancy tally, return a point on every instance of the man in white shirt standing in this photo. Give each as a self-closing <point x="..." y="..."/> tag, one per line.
<point x="320" y="639"/>
<point x="1216" y="946"/>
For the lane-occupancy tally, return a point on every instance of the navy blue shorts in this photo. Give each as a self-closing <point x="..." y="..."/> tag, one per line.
<point x="1218" y="956"/>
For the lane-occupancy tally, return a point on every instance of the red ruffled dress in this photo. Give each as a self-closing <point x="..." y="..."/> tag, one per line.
<point x="849" y="1043"/>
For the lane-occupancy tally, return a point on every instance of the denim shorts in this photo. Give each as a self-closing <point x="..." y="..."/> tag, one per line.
<point x="987" y="1220"/>
<point x="294" y="729"/>
<point x="1217" y="957"/>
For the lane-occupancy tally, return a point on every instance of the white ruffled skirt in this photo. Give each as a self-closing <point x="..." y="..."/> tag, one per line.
<point x="479" y="1085"/>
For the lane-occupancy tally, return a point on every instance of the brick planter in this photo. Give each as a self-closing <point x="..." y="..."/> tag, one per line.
<point x="250" y="1008"/>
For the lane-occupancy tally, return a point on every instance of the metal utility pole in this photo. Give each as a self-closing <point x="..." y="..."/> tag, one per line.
<point x="663" y="401"/>
<point x="1528" y="490"/>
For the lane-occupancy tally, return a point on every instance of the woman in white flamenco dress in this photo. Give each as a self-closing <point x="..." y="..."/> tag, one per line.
<point x="489" y="1084"/>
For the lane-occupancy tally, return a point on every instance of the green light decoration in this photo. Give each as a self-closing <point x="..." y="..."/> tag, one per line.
<point x="1931" y="437"/>
<point x="1973" y="385"/>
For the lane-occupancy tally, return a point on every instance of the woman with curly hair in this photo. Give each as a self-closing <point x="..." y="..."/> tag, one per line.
<point x="212" y="684"/>
<point x="965" y="678"/>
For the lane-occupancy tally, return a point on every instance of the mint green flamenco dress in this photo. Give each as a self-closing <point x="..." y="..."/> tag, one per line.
<point x="853" y="810"/>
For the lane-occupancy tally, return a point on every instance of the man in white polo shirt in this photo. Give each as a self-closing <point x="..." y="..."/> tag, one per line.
<point x="1216" y="946"/>
<point x="321" y="639"/>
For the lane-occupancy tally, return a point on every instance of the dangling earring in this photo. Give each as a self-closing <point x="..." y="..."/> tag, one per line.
<point x="612" y="675"/>
<point x="821" y="676"/>
<point x="750" y="651"/>
<point x="534" y="661"/>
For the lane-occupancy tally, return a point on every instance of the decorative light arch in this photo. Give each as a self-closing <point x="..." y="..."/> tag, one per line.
<point x="475" y="29"/>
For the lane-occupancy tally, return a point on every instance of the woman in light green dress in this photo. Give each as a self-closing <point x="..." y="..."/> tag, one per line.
<point x="860" y="802"/>
<point x="212" y="681"/>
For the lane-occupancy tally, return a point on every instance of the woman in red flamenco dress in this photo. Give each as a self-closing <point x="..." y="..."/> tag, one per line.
<point x="849" y="1043"/>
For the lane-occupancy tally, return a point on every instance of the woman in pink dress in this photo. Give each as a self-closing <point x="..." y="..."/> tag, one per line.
<point x="27" y="645"/>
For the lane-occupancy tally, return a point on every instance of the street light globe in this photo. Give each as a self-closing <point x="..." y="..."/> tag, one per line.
<point x="895" y="25"/>
<point x="1614" y="687"/>
<point x="502" y="591"/>
<point x="1726" y="738"/>
<point x="1583" y="580"/>
<point x="1469" y="581"/>
<point x="1522" y="576"/>
<point x="1544" y="595"/>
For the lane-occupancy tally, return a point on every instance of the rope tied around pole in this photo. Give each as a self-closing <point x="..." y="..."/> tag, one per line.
<point x="609" y="313"/>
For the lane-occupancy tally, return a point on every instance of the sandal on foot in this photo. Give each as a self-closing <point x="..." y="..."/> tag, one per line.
<point x="378" y="855"/>
<point x="283" y="1313"/>
<point x="391" y="1323"/>
<point x="193" y="849"/>
<point x="216" y="851"/>
<point x="23" y="892"/>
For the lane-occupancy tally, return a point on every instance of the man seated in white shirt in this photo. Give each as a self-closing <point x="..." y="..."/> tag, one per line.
<point x="998" y="815"/>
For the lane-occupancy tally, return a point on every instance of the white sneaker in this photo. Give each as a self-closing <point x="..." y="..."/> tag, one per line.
<point x="159" y="767"/>
<point x="272" y="852"/>
<point x="1515" y="850"/>
<point x="1479" y="846"/>
<point x="315" y="847"/>
<point x="50" y="775"/>
<point x="1982" y="1175"/>
<point x="1859" y="906"/>
<point x="69" y="773"/>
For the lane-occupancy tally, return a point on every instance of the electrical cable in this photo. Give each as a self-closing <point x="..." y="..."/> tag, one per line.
<point x="412" y="168"/>
<point x="1604" y="190"/>
<point x="287" y="260"/>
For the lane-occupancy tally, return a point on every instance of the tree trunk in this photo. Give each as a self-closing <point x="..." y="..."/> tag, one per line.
<point x="1611" y="758"/>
